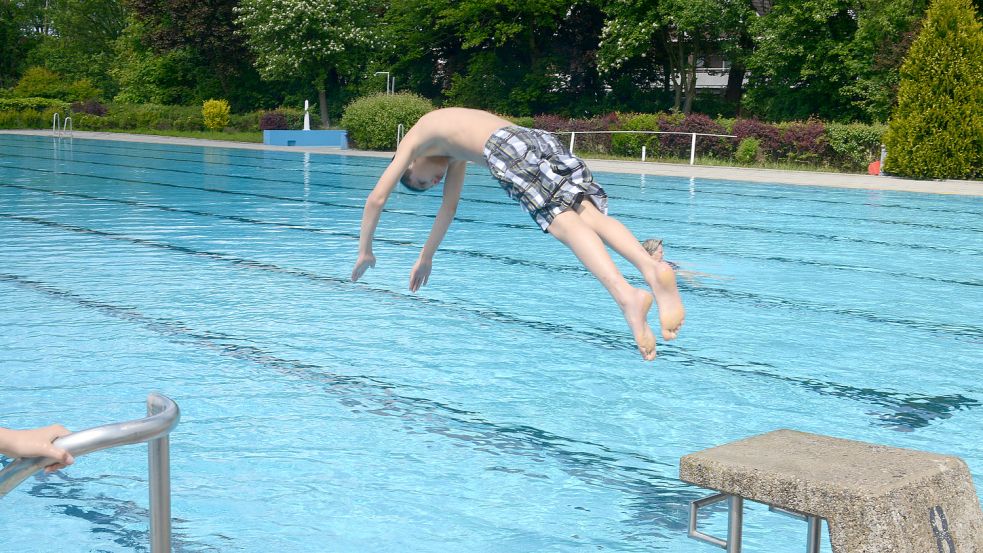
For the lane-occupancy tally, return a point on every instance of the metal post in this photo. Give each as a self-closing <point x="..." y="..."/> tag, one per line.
<point x="643" y="153"/>
<point x="883" y="159"/>
<point x="735" y="519"/>
<point x="692" y="151"/>
<point x="815" y="534"/>
<point x="392" y="86"/>
<point x="160" y="485"/>
<point x="572" y="135"/>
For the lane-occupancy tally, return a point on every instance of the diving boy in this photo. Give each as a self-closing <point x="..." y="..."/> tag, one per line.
<point x="552" y="185"/>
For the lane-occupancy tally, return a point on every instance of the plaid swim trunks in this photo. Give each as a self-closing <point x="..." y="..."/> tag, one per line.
<point x="534" y="168"/>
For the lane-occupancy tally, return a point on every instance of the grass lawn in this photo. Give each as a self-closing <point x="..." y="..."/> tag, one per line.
<point x="256" y="137"/>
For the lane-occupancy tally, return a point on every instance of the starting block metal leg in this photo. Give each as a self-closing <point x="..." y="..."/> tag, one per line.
<point x="735" y="521"/>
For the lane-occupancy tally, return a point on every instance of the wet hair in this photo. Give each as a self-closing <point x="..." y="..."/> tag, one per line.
<point x="652" y="245"/>
<point x="407" y="181"/>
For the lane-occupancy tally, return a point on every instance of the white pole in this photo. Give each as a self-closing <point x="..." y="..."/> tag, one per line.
<point x="572" y="135"/>
<point x="692" y="150"/>
<point x="643" y="153"/>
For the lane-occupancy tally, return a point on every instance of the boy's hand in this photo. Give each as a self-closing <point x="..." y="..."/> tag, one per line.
<point x="37" y="443"/>
<point x="420" y="274"/>
<point x="365" y="260"/>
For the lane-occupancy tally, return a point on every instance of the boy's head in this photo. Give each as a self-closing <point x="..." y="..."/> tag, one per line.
<point x="424" y="173"/>
<point x="654" y="247"/>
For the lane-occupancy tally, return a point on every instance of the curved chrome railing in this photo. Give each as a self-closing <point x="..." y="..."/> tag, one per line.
<point x="164" y="415"/>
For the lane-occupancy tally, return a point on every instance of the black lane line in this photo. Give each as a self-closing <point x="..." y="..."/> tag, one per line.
<point x="597" y="465"/>
<point x="775" y="258"/>
<point x="906" y="411"/>
<point x="606" y="185"/>
<point x="634" y="200"/>
<point x="644" y="218"/>
<point x="758" y="300"/>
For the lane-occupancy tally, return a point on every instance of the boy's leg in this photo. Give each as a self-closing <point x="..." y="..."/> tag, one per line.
<point x="569" y="228"/>
<point x="659" y="275"/>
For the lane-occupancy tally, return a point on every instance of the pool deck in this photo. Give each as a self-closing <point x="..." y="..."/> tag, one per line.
<point x="771" y="176"/>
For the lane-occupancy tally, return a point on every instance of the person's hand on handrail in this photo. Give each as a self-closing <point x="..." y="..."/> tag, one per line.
<point x="36" y="443"/>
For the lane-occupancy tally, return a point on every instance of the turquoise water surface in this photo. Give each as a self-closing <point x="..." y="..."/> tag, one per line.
<point x="503" y="408"/>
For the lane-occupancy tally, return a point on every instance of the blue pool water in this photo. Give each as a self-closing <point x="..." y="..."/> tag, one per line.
<point x="503" y="408"/>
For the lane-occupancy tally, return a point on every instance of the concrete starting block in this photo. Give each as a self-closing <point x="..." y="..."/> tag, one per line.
<point x="875" y="499"/>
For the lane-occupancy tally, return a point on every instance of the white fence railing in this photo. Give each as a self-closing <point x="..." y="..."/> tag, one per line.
<point x="692" y="149"/>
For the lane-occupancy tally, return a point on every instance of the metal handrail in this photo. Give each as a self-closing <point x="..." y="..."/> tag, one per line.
<point x="163" y="417"/>
<point x="56" y="124"/>
<point x="68" y="127"/>
<point x="692" y="149"/>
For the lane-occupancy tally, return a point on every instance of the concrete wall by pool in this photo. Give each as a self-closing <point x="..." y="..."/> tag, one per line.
<point x="336" y="138"/>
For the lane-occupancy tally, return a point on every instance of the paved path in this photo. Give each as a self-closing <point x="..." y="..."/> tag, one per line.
<point x="774" y="176"/>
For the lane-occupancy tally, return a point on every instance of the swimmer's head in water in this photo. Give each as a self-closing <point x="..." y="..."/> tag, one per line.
<point x="653" y="246"/>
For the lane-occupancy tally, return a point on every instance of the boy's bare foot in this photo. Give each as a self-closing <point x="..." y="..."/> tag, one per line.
<point x="636" y="311"/>
<point x="671" y="311"/>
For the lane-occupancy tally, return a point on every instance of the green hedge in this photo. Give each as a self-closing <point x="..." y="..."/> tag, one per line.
<point x="371" y="121"/>
<point x="36" y="104"/>
<point x="27" y="119"/>
<point x="630" y="144"/>
<point x="854" y="145"/>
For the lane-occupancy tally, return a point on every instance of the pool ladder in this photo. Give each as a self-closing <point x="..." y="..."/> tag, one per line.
<point x="163" y="416"/>
<point x="62" y="128"/>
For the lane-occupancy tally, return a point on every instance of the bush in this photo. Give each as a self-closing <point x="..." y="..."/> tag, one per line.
<point x="680" y="145"/>
<point x="630" y="144"/>
<point x="853" y="146"/>
<point x="216" y="114"/>
<point x="27" y="119"/>
<point x="295" y="117"/>
<point x="804" y="141"/>
<point x="91" y="107"/>
<point x="371" y="121"/>
<point x="936" y="130"/>
<point x="769" y="136"/>
<point x="273" y="121"/>
<point x="747" y="151"/>
<point x="36" y="104"/>
<point x="39" y="82"/>
<point x="524" y="121"/>
<point x="247" y="122"/>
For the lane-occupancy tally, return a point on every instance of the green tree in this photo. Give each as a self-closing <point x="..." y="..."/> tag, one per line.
<point x="677" y="33"/>
<point x="81" y="42"/>
<point x="516" y="57"/>
<point x="835" y="59"/>
<point x="324" y="43"/>
<point x="203" y="33"/>
<point x="936" y="130"/>
<point x="15" y="42"/>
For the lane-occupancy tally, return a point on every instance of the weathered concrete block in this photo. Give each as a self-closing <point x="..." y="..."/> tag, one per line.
<point x="876" y="499"/>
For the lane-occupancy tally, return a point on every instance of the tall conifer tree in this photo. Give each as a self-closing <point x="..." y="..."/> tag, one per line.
<point x="936" y="130"/>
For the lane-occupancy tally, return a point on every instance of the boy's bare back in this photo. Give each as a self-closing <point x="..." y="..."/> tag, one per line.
<point x="458" y="133"/>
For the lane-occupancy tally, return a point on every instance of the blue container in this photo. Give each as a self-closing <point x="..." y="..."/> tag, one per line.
<point x="335" y="138"/>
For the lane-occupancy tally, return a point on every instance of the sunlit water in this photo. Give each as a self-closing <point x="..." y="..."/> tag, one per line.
<point x="503" y="408"/>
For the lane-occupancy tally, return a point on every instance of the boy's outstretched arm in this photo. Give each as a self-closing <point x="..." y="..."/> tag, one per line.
<point x="373" y="208"/>
<point x="453" y="183"/>
<point x="36" y="443"/>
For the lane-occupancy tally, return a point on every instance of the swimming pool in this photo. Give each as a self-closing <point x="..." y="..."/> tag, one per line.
<point x="502" y="408"/>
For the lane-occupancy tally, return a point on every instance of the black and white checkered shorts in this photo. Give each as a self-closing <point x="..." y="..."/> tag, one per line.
<point x="534" y="168"/>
